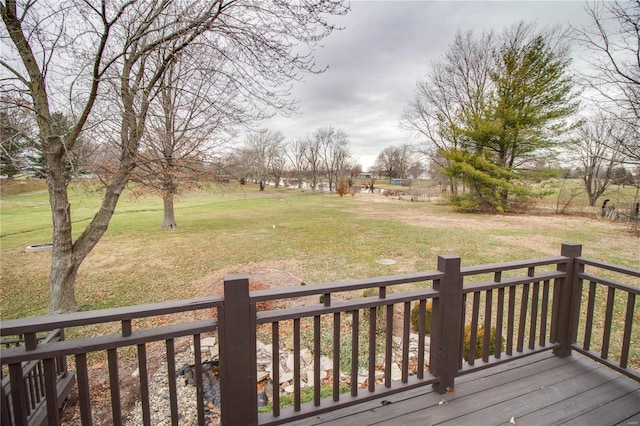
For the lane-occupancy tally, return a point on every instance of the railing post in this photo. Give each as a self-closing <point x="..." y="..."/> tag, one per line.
<point x="446" y="326"/>
<point x="567" y="298"/>
<point x="237" y="334"/>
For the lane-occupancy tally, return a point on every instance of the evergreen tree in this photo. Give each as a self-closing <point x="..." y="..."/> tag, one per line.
<point x="519" y="109"/>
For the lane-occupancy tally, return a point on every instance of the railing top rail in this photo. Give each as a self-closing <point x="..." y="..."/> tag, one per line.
<point x="110" y="341"/>
<point x="508" y="282"/>
<point x="610" y="283"/>
<point x="335" y="287"/>
<point x="50" y="322"/>
<point x="264" y="317"/>
<point x="609" y="266"/>
<point x="507" y="266"/>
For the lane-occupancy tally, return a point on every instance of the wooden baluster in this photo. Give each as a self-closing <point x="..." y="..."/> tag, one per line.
<point x="626" y="336"/>
<point x="171" y="375"/>
<point x="144" y="384"/>
<point x="499" y="322"/>
<point x="355" y="342"/>
<point x="84" y="396"/>
<point x="388" y="347"/>
<point x="608" y="318"/>
<point x="524" y="302"/>
<point x="336" y="356"/>
<point x="588" y="327"/>
<point x="275" y="362"/>
<point x="511" y="319"/>
<point x="544" y="315"/>
<point x="316" y="360"/>
<point x="486" y="341"/>
<point x="114" y="385"/>
<point x="373" y="311"/>
<point x="534" y="314"/>
<point x="296" y="364"/>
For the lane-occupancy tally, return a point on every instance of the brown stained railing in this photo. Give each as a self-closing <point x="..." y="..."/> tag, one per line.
<point x="605" y="322"/>
<point x="52" y="354"/>
<point x="364" y="320"/>
<point x="510" y="314"/>
<point x="533" y="305"/>
<point x="32" y="389"/>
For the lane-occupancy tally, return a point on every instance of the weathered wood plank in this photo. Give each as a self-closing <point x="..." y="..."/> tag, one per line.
<point x="630" y="421"/>
<point x="567" y="407"/>
<point x="624" y="410"/>
<point x="406" y="402"/>
<point x="562" y="401"/>
<point x="492" y="391"/>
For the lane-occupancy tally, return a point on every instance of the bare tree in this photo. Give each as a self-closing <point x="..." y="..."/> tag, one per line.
<point x="192" y="117"/>
<point x="454" y="91"/>
<point x="278" y="164"/>
<point x="312" y="155"/>
<point x="596" y="149"/>
<point x="76" y="54"/>
<point x="396" y="161"/>
<point x="263" y="151"/>
<point x="385" y="163"/>
<point x="333" y="151"/>
<point x="296" y="156"/>
<point x="614" y="40"/>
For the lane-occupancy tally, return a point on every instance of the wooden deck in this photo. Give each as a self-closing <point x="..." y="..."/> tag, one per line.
<point x="539" y="390"/>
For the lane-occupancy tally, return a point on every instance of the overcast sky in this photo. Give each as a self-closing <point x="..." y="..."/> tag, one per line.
<point x="383" y="50"/>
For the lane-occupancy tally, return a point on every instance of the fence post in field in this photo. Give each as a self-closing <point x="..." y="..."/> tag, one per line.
<point x="446" y="325"/>
<point x="567" y="298"/>
<point x="237" y="334"/>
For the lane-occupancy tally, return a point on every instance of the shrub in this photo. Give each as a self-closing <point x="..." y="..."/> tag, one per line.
<point x="479" y="342"/>
<point x="415" y="316"/>
<point x="343" y="187"/>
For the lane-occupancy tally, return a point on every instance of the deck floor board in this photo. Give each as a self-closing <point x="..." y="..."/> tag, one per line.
<point x="542" y="389"/>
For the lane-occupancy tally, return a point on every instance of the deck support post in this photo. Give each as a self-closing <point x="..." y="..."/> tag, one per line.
<point x="446" y="326"/>
<point x="237" y="334"/>
<point x="567" y="298"/>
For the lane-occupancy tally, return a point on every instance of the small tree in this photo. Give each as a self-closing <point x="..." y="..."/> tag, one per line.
<point x="263" y="152"/>
<point x="343" y="187"/>
<point x="596" y="150"/>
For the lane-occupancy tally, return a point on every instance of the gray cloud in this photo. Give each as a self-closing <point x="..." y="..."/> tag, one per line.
<point x="383" y="50"/>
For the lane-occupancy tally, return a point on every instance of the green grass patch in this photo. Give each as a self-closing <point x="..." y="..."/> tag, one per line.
<point x="330" y="238"/>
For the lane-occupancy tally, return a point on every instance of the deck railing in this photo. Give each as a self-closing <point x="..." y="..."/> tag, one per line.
<point x="32" y="388"/>
<point x="477" y="317"/>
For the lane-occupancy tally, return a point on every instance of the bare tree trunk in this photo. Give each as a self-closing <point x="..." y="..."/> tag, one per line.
<point x="63" y="266"/>
<point x="169" y="221"/>
<point x="61" y="285"/>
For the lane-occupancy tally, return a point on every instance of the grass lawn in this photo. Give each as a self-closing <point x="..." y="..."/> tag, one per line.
<point x="316" y="237"/>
